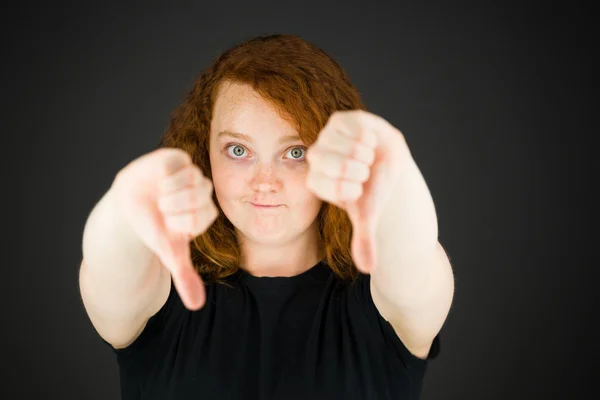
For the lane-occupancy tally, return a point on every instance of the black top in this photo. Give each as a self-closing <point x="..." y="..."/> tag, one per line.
<point x="309" y="336"/>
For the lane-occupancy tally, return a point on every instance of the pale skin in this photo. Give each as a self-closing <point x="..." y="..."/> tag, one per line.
<point x="360" y="163"/>
<point x="363" y="164"/>
<point x="260" y="169"/>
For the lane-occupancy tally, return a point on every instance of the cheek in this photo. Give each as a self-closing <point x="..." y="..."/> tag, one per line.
<point x="302" y="195"/>
<point x="227" y="183"/>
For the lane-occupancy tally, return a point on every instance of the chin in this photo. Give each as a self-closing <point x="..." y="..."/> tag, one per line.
<point x="270" y="236"/>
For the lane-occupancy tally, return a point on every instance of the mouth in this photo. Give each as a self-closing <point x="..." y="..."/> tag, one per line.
<point x="265" y="206"/>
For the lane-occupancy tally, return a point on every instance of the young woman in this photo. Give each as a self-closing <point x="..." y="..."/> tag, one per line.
<point x="279" y="244"/>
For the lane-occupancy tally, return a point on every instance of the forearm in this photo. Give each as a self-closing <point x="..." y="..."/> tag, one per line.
<point x="407" y="233"/>
<point x="114" y="256"/>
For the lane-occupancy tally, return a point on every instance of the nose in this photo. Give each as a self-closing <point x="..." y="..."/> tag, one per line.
<point x="265" y="179"/>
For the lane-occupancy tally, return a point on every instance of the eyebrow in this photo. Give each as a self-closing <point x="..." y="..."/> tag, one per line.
<point x="237" y="135"/>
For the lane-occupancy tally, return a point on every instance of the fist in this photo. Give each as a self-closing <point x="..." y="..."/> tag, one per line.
<point x="167" y="201"/>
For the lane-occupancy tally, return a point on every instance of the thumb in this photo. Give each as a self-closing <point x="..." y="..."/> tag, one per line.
<point x="187" y="282"/>
<point x="360" y="246"/>
<point x="363" y="249"/>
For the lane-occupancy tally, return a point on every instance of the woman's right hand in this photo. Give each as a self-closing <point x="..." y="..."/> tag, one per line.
<point x="167" y="201"/>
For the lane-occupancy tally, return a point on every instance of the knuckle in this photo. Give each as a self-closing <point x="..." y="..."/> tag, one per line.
<point x="204" y="193"/>
<point x="333" y="117"/>
<point x="197" y="174"/>
<point x="190" y="175"/>
<point x="351" y="190"/>
<point x="361" y="115"/>
<point x="324" y="140"/>
<point x="182" y="154"/>
<point x="363" y="172"/>
<point x="164" y="168"/>
<point x="366" y="172"/>
<point x="207" y="190"/>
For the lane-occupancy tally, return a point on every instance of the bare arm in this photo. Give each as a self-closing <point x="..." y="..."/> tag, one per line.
<point x="137" y="239"/>
<point x="122" y="282"/>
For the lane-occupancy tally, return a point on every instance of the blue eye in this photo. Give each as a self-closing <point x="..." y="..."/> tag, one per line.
<point x="237" y="146"/>
<point x="297" y="149"/>
<point x="239" y="151"/>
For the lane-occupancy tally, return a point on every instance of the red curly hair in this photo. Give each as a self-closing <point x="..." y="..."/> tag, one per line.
<point x="306" y="86"/>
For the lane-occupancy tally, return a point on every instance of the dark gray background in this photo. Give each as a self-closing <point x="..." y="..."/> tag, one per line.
<point x="494" y="101"/>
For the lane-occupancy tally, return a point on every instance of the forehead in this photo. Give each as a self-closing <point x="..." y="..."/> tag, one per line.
<point x="238" y="108"/>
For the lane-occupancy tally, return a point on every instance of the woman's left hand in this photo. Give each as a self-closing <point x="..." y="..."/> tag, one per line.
<point x="354" y="164"/>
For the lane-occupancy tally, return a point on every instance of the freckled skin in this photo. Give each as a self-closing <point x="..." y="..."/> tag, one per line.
<point x="275" y="242"/>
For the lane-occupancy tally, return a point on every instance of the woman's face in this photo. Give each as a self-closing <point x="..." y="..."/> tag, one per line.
<point x="257" y="157"/>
